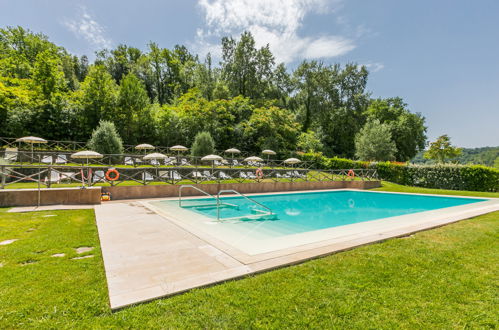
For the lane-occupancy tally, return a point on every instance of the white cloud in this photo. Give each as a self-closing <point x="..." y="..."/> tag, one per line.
<point x="273" y="22"/>
<point x="89" y="29"/>
<point x="374" y="67"/>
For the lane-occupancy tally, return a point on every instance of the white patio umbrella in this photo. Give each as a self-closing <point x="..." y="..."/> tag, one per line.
<point x="31" y="140"/>
<point x="144" y="146"/>
<point x="292" y="161"/>
<point x="232" y="151"/>
<point x="268" y="152"/>
<point x="179" y="149"/>
<point x="86" y="154"/>
<point x="212" y="158"/>
<point x="154" y="155"/>
<point x="253" y="159"/>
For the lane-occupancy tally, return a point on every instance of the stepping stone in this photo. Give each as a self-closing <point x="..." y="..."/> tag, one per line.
<point x="84" y="257"/>
<point x="28" y="262"/>
<point x="59" y="255"/>
<point x="8" y="241"/>
<point x="31" y="229"/>
<point x="83" y="249"/>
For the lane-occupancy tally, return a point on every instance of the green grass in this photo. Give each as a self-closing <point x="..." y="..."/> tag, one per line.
<point x="442" y="278"/>
<point x="388" y="186"/>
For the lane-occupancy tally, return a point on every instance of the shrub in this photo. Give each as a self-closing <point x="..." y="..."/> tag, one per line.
<point x="456" y="177"/>
<point x="203" y="144"/>
<point x="374" y="142"/>
<point x="106" y="140"/>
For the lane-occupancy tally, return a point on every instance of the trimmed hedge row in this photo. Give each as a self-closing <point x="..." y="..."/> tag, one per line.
<point x="454" y="177"/>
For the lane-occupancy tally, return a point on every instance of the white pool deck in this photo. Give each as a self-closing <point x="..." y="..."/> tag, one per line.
<point x="151" y="253"/>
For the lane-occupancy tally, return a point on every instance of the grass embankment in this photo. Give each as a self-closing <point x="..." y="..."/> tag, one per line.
<point x="443" y="278"/>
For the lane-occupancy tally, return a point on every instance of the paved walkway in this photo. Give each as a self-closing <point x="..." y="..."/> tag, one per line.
<point x="146" y="256"/>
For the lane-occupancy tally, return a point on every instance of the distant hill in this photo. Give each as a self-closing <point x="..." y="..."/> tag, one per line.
<point x="488" y="156"/>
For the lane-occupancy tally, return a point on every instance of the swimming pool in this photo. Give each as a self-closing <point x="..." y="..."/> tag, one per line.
<point x="301" y="212"/>
<point x="304" y="217"/>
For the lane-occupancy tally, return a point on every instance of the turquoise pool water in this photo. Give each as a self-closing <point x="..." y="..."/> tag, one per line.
<point x="302" y="212"/>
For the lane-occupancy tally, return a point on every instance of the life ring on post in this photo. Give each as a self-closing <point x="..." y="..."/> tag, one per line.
<point x="259" y="173"/>
<point x="351" y="174"/>
<point x="116" y="174"/>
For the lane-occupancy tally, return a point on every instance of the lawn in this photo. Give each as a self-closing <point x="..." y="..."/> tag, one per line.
<point x="442" y="278"/>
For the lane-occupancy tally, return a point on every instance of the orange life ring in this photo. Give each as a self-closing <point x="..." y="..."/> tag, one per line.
<point x="116" y="174"/>
<point x="259" y="173"/>
<point x="351" y="174"/>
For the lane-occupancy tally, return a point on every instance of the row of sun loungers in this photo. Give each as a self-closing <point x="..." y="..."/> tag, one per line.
<point x="99" y="176"/>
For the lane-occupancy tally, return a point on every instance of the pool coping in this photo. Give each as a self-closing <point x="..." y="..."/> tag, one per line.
<point x="302" y="242"/>
<point x="149" y="255"/>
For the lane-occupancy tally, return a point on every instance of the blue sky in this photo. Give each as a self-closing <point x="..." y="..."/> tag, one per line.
<point x="441" y="56"/>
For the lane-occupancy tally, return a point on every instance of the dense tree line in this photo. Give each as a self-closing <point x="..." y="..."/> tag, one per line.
<point x="167" y="96"/>
<point x="488" y="156"/>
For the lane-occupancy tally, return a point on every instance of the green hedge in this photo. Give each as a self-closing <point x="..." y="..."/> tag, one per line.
<point x="455" y="177"/>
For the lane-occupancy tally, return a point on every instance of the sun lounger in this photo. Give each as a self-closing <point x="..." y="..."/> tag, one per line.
<point x="251" y="175"/>
<point x="53" y="176"/>
<point x="243" y="175"/>
<point x="299" y="175"/>
<point x="184" y="162"/>
<point x="170" y="161"/>
<point x="146" y="176"/>
<point x="164" y="174"/>
<point x="197" y="175"/>
<point x="155" y="162"/>
<point x="68" y="176"/>
<point x="61" y="159"/>
<point x="129" y="161"/>
<point x="208" y="175"/>
<point x="176" y="176"/>
<point x="98" y="176"/>
<point x="47" y="159"/>
<point x="224" y="176"/>
<point x="10" y="154"/>
<point x="235" y="162"/>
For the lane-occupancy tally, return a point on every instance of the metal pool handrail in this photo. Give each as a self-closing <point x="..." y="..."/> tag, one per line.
<point x="195" y="188"/>
<point x="242" y="195"/>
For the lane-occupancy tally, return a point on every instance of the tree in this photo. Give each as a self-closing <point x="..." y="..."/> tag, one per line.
<point x="309" y="142"/>
<point x="332" y="99"/>
<point x="97" y="98"/>
<point x="48" y="75"/>
<point x="441" y="149"/>
<point x="246" y="70"/>
<point x="271" y="128"/>
<point x="133" y="104"/>
<point x="203" y="145"/>
<point x="374" y="142"/>
<point x="105" y="139"/>
<point x="408" y="129"/>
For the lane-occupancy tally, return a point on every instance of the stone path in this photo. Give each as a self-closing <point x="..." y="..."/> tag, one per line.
<point x="84" y="257"/>
<point x="49" y="208"/>
<point x="9" y="241"/>
<point x="83" y="249"/>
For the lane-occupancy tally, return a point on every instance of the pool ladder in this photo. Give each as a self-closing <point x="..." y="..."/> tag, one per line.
<point x="219" y="204"/>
